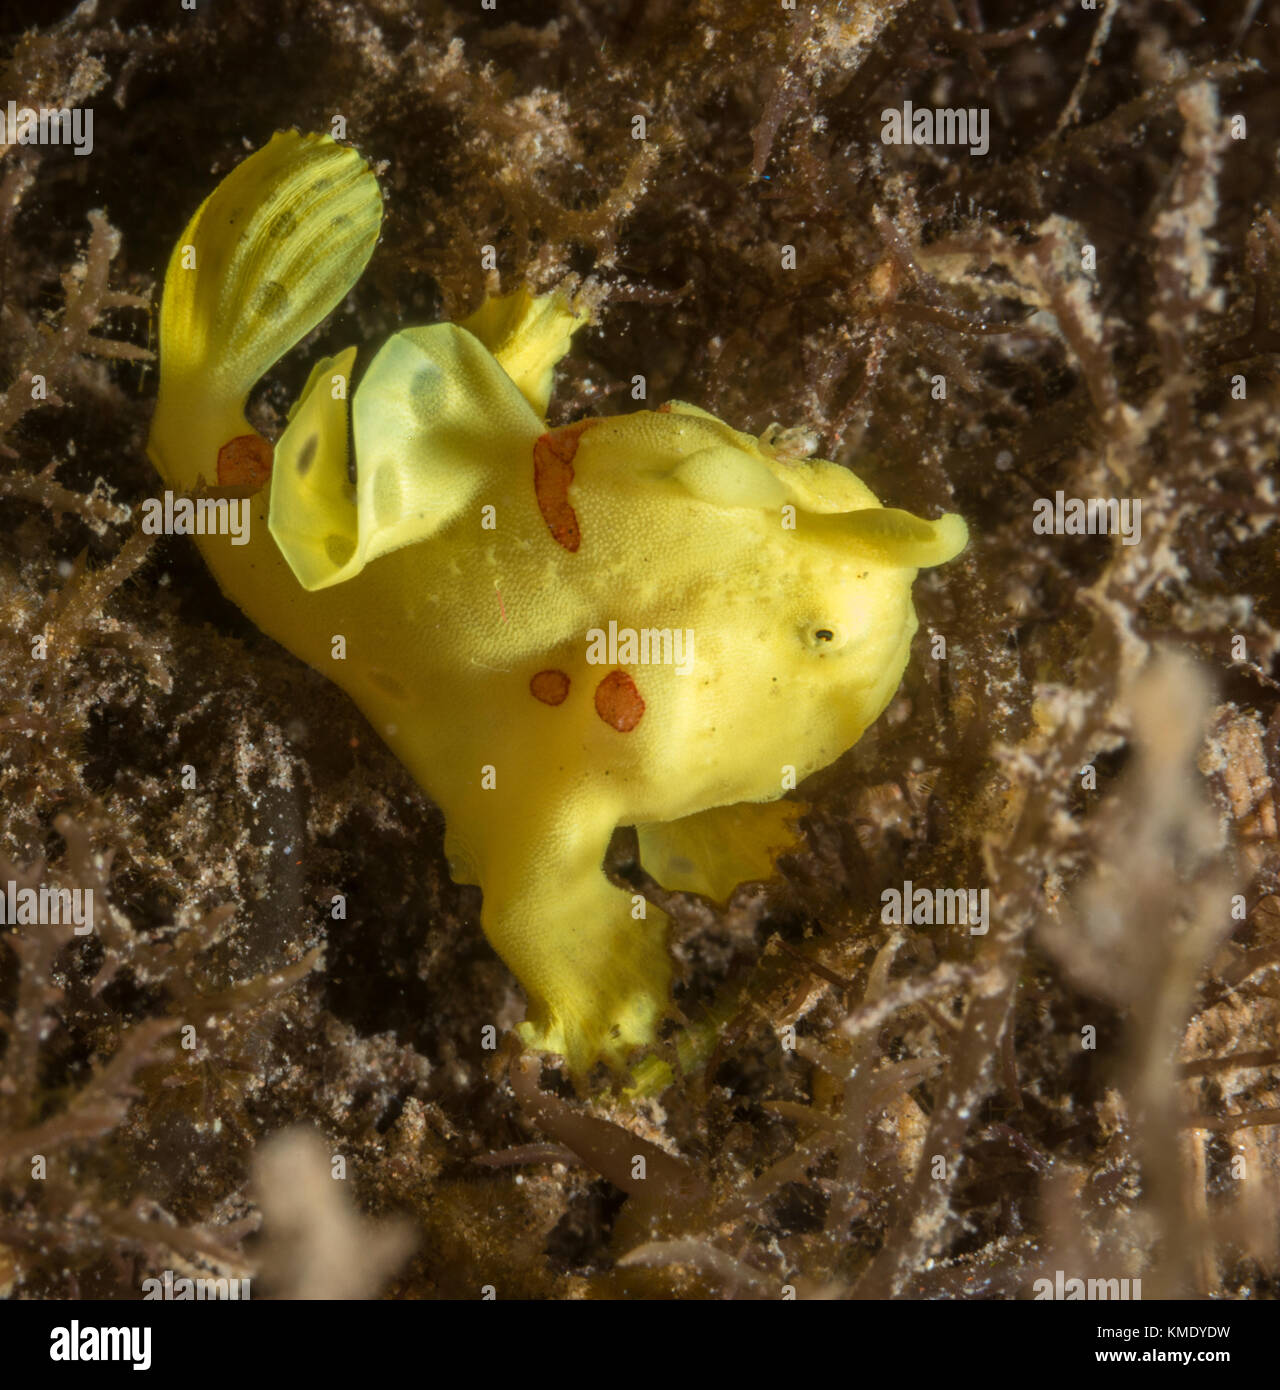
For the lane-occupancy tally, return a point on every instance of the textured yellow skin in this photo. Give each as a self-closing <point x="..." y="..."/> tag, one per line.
<point x="684" y="522"/>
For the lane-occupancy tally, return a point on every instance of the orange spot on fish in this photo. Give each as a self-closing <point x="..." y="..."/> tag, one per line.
<point x="244" y="461"/>
<point x="552" y="473"/>
<point x="618" y="702"/>
<point x="551" y="687"/>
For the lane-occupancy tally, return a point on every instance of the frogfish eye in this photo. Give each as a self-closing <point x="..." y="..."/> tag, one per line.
<point x="824" y="637"/>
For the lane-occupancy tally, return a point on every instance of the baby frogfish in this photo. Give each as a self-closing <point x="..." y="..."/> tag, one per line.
<point x="648" y="620"/>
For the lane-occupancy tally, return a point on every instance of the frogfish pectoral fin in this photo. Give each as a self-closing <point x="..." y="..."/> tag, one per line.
<point x="713" y="851"/>
<point x="434" y="420"/>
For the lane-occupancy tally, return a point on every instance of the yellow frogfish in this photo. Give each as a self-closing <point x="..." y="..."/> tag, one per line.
<point x="648" y="620"/>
